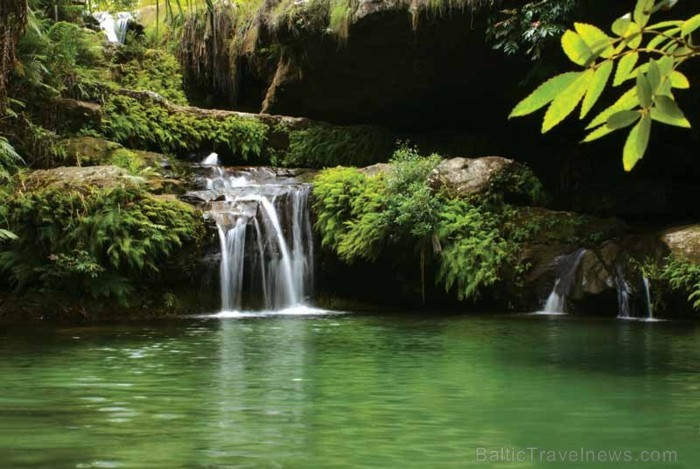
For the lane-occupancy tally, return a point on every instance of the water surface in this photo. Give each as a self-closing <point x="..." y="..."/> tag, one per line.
<point x="345" y="391"/>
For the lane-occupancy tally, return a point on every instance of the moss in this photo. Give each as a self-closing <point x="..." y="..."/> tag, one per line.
<point x="152" y="70"/>
<point x="139" y="125"/>
<point x="325" y="146"/>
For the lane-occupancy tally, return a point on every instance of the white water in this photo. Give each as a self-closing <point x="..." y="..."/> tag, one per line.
<point x="624" y="311"/>
<point x="211" y="160"/>
<point x="265" y="239"/>
<point x="647" y="291"/>
<point x="115" y="30"/>
<point x="565" y="282"/>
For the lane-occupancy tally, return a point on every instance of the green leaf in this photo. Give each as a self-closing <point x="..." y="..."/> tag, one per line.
<point x="666" y="24"/>
<point x="596" y="87"/>
<point x="633" y="37"/>
<point x="626" y="102"/>
<point x="642" y="12"/>
<point x="637" y="143"/>
<point x="599" y="42"/>
<point x="621" y="25"/>
<point x="644" y="90"/>
<point x="625" y="67"/>
<point x="623" y="119"/>
<point x="566" y="102"/>
<point x="544" y="94"/>
<point x="678" y="80"/>
<point x="575" y="48"/>
<point x="668" y="112"/>
<point x="600" y="132"/>
<point x="690" y="25"/>
<point x="654" y="76"/>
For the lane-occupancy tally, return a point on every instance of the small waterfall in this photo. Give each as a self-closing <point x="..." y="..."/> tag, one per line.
<point x="565" y="282"/>
<point x="624" y="311"/>
<point x="211" y="160"/>
<point x="265" y="236"/>
<point x="114" y="29"/>
<point x="647" y="291"/>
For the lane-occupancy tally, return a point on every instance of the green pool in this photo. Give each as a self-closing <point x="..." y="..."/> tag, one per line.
<point x="350" y="391"/>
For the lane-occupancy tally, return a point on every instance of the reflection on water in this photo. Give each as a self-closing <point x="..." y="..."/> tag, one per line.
<point x="343" y="390"/>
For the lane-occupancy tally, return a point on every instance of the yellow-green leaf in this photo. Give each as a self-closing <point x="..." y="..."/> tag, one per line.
<point x="644" y="90"/>
<point x="575" y="48"/>
<point x="599" y="42"/>
<point x="621" y="25"/>
<point x="566" y="102"/>
<point x="661" y="38"/>
<point x="642" y="12"/>
<point x="678" y="80"/>
<point x="668" y="112"/>
<point x="626" y="102"/>
<point x="544" y="94"/>
<point x="596" y="87"/>
<point x="600" y="132"/>
<point x="633" y="37"/>
<point x="637" y="143"/>
<point x="654" y="76"/>
<point x="690" y="25"/>
<point x="625" y="67"/>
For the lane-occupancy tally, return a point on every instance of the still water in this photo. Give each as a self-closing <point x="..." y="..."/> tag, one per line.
<point x="346" y="391"/>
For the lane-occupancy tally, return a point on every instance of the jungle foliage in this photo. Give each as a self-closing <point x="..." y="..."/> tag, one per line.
<point x="93" y="241"/>
<point x="645" y="59"/>
<point x="676" y="274"/>
<point x="359" y="216"/>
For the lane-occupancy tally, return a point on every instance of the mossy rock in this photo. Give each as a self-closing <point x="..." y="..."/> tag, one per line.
<point x="81" y="178"/>
<point x="91" y="151"/>
<point x="683" y="242"/>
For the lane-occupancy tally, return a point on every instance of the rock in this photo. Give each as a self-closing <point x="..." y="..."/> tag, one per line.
<point x="684" y="242"/>
<point x="81" y="178"/>
<point x="88" y="151"/>
<point x="75" y="114"/>
<point x="375" y="169"/>
<point x="464" y="177"/>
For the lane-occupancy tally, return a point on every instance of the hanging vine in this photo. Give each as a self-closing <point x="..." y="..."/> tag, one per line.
<point x="13" y="19"/>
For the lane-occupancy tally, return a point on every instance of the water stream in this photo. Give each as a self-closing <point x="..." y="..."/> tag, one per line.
<point x="265" y="235"/>
<point x="567" y="270"/>
<point x="114" y="28"/>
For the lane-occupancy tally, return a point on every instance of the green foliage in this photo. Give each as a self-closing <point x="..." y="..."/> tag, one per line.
<point x="360" y="216"/>
<point x="325" y="146"/>
<point x="99" y="242"/>
<point x="138" y="125"/>
<point x="9" y="159"/>
<point x="475" y="251"/>
<point x="665" y="46"/>
<point x="677" y="274"/>
<point x="153" y="70"/>
<point x="531" y="27"/>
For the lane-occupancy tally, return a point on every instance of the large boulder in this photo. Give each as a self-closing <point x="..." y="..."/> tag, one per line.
<point x="683" y="242"/>
<point x="466" y="177"/>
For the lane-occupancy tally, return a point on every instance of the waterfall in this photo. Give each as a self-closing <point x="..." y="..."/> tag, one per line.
<point x="265" y="237"/>
<point x="114" y="29"/>
<point x="565" y="282"/>
<point x="647" y="291"/>
<point x="211" y="160"/>
<point x="624" y="311"/>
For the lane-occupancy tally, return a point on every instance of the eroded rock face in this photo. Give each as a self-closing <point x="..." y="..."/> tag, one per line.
<point x="683" y="242"/>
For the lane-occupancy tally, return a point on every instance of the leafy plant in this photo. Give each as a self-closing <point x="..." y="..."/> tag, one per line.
<point x="91" y="240"/>
<point x="677" y="274"/>
<point x="648" y="55"/>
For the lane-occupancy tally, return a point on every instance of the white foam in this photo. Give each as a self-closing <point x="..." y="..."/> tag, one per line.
<point x="299" y="310"/>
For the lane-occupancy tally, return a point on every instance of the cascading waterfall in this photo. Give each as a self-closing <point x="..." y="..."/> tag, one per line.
<point x="115" y="29"/>
<point x="565" y="282"/>
<point x="265" y="236"/>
